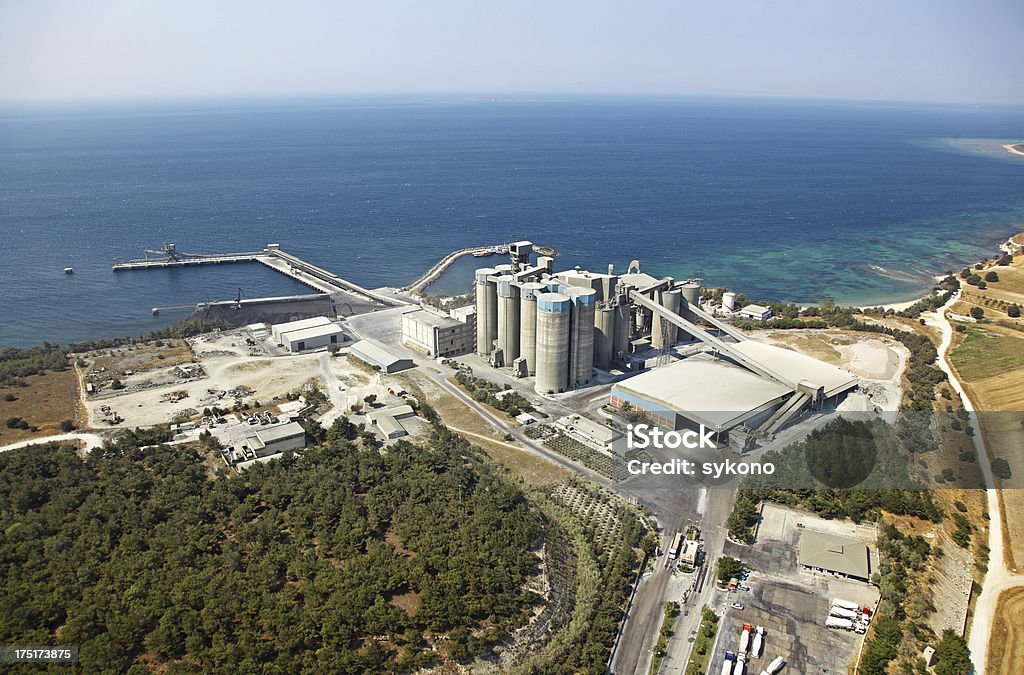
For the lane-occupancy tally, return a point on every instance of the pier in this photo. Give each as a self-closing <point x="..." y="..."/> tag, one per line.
<point x="435" y="272"/>
<point x="317" y="278"/>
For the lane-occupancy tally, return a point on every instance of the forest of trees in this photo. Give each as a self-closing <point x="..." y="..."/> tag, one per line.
<point x="871" y="451"/>
<point x="336" y="560"/>
<point x="17" y="363"/>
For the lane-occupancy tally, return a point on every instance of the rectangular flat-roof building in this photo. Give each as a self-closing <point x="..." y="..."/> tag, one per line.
<point x="377" y="356"/>
<point x="315" y="337"/>
<point x="593" y="433"/>
<point x="833" y="554"/>
<point x="278" y="328"/>
<point x="756" y="312"/>
<point x="274" y="440"/>
<point x="439" y="335"/>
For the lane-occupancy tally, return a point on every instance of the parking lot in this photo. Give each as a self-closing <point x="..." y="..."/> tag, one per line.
<point x="791" y="604"/>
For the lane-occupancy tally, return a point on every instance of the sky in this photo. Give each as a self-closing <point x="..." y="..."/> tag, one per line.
<point x="962" y="51"/>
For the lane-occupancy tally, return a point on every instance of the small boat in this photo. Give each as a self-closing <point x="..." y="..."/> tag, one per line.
<point x="483" y="254"/>
<point x="69" y="270"/>
<point x="501" y="250"/>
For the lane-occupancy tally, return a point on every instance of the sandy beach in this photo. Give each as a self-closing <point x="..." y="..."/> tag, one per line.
<point x="1015" y="148"/>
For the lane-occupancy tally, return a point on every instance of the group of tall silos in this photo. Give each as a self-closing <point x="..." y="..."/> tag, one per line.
<point x="559" y="332"/>
<point x="536" y="329"/>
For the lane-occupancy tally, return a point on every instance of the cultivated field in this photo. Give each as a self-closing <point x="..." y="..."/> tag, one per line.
<point x="1006" y="647"/>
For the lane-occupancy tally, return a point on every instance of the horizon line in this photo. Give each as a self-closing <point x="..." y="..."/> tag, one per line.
<point x="480" y="97"/>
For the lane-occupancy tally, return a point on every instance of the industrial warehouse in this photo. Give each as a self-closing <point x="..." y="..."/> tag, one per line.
<point x="562" y="328"/>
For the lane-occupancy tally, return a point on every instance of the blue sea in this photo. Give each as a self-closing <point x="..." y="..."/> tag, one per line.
<point x="778" y="199"/>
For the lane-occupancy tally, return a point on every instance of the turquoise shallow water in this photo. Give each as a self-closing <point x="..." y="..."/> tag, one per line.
<point x="781" y="200"/>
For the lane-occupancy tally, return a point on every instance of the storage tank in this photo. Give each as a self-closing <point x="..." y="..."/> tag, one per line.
<point x="581" y="337"/>
<point x="663" y="332"/>
<point x="604" y="336"/>
<point x="690" y="292"/>
<point x="508" y="318"/>
<point x="528" y="323"/>
<point x="553" y="319"/>
<point x="486" y="311"/>
<point x="729" y="300"/>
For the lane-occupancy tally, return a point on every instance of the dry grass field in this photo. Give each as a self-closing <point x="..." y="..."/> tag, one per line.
<point x="989" y="360"/>
<point x="533" y="470"/>
<point x="46" y="401"/>
<point x="1006" y="647"/>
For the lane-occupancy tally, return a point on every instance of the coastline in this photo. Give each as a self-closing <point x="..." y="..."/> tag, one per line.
<point x="1015" y="148"/>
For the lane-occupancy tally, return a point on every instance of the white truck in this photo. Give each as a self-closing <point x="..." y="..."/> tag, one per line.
<point x="775" y="666"/>
<point x="846" y="604"/>
<point x="844" y="613"/>
<point x="755" y="649"/>
<point x="727" y="663"/>
<point x="741" y="665"/>
<point x="745" y="638"/>
<point x="837" y="622"/>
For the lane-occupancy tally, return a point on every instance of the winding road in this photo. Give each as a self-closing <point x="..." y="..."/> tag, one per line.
<point x="998" y="578"/>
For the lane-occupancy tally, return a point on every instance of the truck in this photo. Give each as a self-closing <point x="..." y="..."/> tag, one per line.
<point x="837" y="622"/>
<point x="727" y="663"/>
<point x="677" y="544"/>
<point x="755" y="650"/>
<point x="775" y="666"/>
<point x="745" y="638"/>
<point x="741" y="665"/>
<point x="846" y="604"/>
<point x="844" y="613"/>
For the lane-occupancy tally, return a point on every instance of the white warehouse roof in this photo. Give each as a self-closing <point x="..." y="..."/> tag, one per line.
<point x="310" y="333"/>
<point x="279" y="329"/>
<point x="709" y="391"/>
<point x="376" y="355"/>
<point x="797" y="366"/>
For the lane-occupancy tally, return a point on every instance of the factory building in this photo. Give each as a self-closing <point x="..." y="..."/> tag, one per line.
<point x="378" y="357"/>
<point x="558" y="327"/>
<point x="440" y="335"/>
<point x="307" y="334"/>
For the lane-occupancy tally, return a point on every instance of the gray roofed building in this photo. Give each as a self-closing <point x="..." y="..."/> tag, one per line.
<point x="375" y="355"/>
<point x="823" y="552"/>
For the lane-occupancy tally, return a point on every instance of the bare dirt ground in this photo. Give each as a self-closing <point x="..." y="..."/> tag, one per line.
<point x="48" y="399"/>
<point x="1006" y="648"/>
<point x="228" y="366"/>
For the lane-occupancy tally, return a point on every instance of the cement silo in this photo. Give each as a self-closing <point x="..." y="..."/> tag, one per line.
<point x="486" y="311"/>
<point x="691" y="296"/>
<point x="729" y="300"/>
<point x="604" y="336"/>
<point x="508" y="318"/>
<point x="581" y="335"/>
<point x="528" y="323"/>
<point x="663" y="332"/>
<point x="553" y="319"/>
<point x="623" y="319"/>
